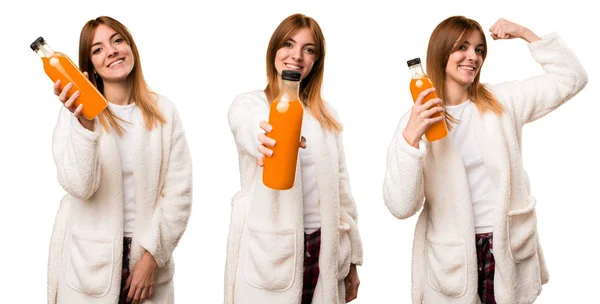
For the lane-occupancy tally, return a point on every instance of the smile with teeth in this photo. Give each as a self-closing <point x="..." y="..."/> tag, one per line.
<point x="468" y="68"/>
<point x="115" y="63"/>
<point x="293" y="67"/>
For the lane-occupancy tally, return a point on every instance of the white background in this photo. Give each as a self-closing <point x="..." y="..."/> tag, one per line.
<point x="203" y="56"/>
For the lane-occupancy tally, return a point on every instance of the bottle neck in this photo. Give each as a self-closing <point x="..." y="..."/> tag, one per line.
<point x="289" y="90"/>
<point x="45" y="51"/>
<point x="416" y="71"/>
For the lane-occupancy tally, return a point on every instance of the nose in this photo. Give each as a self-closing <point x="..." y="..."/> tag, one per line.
<point x="471" y="54"/>
<point x="297" y="54"/>
<point x="112" y="51"/>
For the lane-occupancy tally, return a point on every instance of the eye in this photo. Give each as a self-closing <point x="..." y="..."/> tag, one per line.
<point x="462" y="47"/>
<point x="119" y="40"/>
<point x="96" y="51"/>
<point x="310" y="50"/>
<point x="480" y="51"/>
<point x="287" y="44"/>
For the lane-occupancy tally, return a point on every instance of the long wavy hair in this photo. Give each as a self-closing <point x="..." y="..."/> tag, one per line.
<point x="141" y="94"/>
<point x="310" y="86"/>
<point x="445" y="40"/>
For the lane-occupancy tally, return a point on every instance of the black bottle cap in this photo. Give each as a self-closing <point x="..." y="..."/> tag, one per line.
<point x="414" y="61"/>
<point x="290" y="75"/>
<point x="36" y="44"/>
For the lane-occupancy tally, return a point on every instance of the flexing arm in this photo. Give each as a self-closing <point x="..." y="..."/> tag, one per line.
<point x="563" y="77"/>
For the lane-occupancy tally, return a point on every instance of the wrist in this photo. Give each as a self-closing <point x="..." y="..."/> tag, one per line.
<point x="150" y="257"/>
<point x="88" y="124"/>
<point x="411" y="139"/>
<point x="529" y="36"/>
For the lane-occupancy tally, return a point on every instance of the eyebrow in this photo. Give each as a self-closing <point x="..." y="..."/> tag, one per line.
<point x="294" y="41"/>
<point x="111" y="37"/>
<point x="467" y="42"/>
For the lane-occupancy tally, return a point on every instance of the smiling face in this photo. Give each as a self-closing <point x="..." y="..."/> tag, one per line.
<point x="465" y="62"/>
<point x="298" y="53"/>
<point x="111" y="55"/>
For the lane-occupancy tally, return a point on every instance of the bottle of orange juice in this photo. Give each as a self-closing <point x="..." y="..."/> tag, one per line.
<point x="285" y="117"/>
<point x="59" y="66"/>
<point x="418" y="84"/>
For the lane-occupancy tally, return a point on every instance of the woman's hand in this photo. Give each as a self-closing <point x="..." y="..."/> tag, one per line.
<point x="69" y="103"/>
<point x="504" y="29"/>
<point x="421" y="118"/>
<point x="352" y="282"/>
<point x="141" y="280"/>
<point x="267" y="142"/>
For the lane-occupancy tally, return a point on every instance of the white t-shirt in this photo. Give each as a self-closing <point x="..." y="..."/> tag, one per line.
<point x="125" y="144"/>
<point x="482" y="187"/>
<point x="312" y="213"/>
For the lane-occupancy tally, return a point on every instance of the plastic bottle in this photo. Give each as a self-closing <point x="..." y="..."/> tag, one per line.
<point x="418" y="83"/>
<point x="59" y="66"/>
<point x="285" y="117"/>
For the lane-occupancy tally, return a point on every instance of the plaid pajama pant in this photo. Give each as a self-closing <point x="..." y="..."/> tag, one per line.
<point x="312" y="246"/>
<point x="125" y="270"/>
<point x="485" y="267"/>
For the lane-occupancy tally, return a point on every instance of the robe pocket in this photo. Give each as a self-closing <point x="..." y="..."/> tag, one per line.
<point x="447" y="267"/>
<point x="344" y="251"/>
<point x="271" y="259"/>
<point x="522" y="232"/>
<point x="90" y="266"/>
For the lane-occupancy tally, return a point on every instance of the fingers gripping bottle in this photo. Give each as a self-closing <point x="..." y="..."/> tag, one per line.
<point x="419" y="83"/>
<point x="285" y="117"/>
<point x="58" y="66"/>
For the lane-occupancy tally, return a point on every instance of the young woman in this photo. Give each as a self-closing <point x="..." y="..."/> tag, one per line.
<point x="476" y="237"/>
<point x="128" y="178"/>
<point x="300" y="245"/>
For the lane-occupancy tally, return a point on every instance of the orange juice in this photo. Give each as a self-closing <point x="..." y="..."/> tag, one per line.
<point x="418" y="83"/>
<point x="285" y="117"/>
<point x="59" y="66"/>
